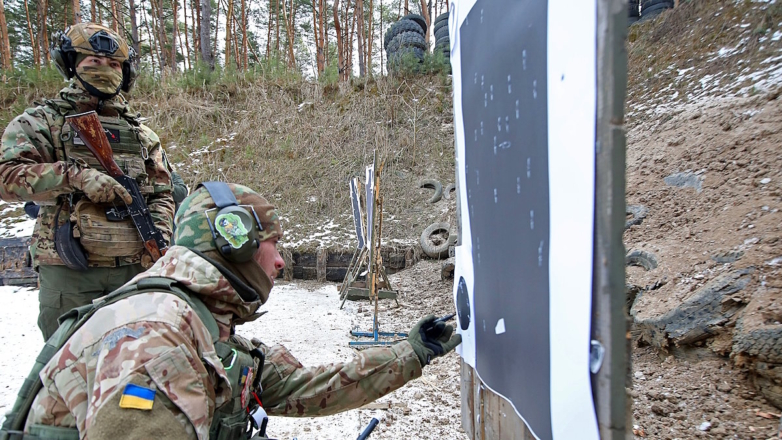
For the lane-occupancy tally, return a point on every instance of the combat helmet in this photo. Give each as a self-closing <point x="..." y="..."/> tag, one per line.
<point x="95" y="40"/>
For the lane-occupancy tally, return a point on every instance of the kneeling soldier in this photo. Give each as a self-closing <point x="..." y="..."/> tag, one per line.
<point x="159" y="358"/>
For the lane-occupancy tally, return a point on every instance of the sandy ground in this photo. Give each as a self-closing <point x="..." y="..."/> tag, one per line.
<point x="306" y="318"/>
<point x="732" y="145"/>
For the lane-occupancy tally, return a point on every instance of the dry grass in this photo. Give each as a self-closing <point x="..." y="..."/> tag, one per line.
<point x="693" y="35"/>
<point x="299" y="146"/>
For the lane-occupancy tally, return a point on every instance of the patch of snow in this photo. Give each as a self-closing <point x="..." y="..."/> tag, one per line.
<point x="14" y="226"/>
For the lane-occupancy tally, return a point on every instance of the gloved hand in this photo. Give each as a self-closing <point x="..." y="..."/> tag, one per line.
<point x="97" y="186"/>
<point x="432" y="339"/>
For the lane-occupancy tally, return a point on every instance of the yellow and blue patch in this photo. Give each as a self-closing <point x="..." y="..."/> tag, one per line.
<point x="137" y="397"/>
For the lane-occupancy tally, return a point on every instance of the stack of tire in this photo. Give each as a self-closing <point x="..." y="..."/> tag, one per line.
<point x="405" y="39"/>
<point x="633" y="12"/>
<point x="652" y="8"/>
<point x="442" y="42"/>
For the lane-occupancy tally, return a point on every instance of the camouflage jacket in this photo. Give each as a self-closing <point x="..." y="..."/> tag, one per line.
<point x="32" y="167"/>
<point x="156" y="340"/>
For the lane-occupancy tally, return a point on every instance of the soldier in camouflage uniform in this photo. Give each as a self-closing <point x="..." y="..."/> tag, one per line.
<point x="146" y="366"/>
<point x="43" y="160"/>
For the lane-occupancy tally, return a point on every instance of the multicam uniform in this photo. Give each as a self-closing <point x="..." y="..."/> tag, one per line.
<point x="37" y="157"/>
<point x="157" y="341"/>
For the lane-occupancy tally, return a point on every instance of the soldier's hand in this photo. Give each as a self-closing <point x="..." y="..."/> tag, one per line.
<point x="97" y="186"/>
<point x="431" y="338"/>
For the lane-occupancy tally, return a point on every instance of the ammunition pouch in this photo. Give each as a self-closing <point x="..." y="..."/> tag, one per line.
<point x="103" y="237"/>
<point x="66" y="245"/>
<point x="243" y="364"/>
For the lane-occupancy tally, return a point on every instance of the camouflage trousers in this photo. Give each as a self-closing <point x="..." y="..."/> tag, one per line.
<point x="63" y="289"/>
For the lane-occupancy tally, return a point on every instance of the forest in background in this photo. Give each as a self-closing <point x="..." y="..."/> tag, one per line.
<point x="331" y="39"/>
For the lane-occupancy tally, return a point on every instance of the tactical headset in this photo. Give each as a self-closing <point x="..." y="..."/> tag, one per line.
<point x="234" y="227"/>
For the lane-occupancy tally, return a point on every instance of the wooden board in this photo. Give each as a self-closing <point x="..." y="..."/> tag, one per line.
<point x="485" y="414"/>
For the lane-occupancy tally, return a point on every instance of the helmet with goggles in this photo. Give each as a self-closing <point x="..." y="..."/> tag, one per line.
<point x="91" y="39"/>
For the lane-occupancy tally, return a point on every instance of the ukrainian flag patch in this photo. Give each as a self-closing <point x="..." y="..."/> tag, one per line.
<point x="137" y="397"/>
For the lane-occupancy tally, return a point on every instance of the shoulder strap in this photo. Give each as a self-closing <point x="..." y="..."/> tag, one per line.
<point x="71" y="321"/>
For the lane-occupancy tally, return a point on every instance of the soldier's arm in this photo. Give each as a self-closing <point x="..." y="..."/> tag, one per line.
<point x="28" y="166"/>
<point x="162" y="362"/>
<point x="161" y="202"/>
<point x="290" y="389"/>
<point x="179" y="189"/>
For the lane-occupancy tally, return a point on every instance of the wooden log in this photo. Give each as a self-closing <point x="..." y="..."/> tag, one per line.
<point x="355" y="293"/>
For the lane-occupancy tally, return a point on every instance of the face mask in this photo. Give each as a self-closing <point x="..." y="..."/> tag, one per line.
<point x="103" y="78"/>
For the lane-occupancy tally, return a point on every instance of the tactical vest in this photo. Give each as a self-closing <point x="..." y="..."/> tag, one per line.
<point x="125" y="138"/>
<point x="230" y="421"/>
<point x="103" y="240"/>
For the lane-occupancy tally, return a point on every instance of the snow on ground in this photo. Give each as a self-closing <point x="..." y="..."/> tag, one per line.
<point x="20" y="339"/>
<point x="12" y="225"/>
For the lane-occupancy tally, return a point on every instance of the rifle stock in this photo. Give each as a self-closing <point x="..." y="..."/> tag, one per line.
<point x="88" y="127"/>
<point x="90" y="130"/>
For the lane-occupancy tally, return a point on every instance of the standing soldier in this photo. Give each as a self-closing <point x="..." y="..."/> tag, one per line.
<point x="159" y="358"/>
<point x="43" y="160"/>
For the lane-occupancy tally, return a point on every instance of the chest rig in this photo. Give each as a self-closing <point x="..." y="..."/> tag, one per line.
<point x="106" y="242"/>
<point x="127" y="143"/>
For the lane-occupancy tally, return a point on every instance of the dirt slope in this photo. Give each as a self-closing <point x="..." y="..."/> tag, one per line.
<point x="704" y="114"/>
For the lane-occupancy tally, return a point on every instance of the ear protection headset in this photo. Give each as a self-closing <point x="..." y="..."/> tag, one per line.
<point x="234" y="227"/>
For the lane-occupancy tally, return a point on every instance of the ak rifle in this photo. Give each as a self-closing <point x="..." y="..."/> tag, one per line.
<point x="88" y="127"/>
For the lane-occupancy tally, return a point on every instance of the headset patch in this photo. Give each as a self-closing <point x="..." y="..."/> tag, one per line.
<point x="231" y="228"/>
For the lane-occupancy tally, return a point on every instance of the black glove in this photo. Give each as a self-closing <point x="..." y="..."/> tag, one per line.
<point x="31" y="209"/>
<point x="431" y="338"/>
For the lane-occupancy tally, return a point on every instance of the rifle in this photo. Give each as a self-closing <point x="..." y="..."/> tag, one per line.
<point x="88" y="127"/>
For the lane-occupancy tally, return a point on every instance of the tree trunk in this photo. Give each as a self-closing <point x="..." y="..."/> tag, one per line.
<point x="114" y="15"/>
<point x="425" y="13"/>
<point x="244" y="35"/>
<point x="174" y="33"/>
<point x="317" y="28"/>
<point x="235" y="43"/>
<point x="340" y="43"/>
<point x="381" y="37"/>
<point x="43" y="28"/>
<point x="5" y="42"/>
<point x="134" y="27"/>
<point x="215" y="52"/>
<point x="277" y="25"/>
<point x="188" y="63"/>
<point x="228" y="26"/>
<point x="290" y="31"/>
<point x="351" y="38"/>
<point x="195" y="15"/>
<point x="93" y="11"/>
<point x="33" y="41"/>
<point x="407" y="8"/>
<point x="207" y="56"/>
<point x="360" y="36"/>
<point x="76" y="11"/>
<point x="269" y="34"/>
<point x="157" y="11"/>
<point x="370" y="34"/>
<point x="152" y="45"/>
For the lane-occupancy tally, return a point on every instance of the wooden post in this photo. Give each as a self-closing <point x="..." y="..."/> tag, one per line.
<point x="609" y="326"/>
